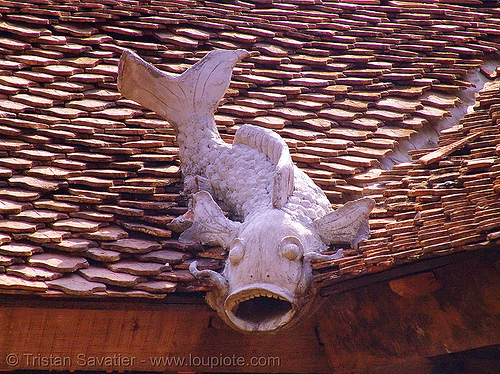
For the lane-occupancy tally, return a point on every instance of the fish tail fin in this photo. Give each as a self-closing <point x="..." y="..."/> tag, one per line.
<point x="186" y="99"/>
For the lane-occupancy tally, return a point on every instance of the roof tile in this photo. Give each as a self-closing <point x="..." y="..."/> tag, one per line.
<point x="103" y="275"/>
<point x="34" y="184"/>
<point x="75" y="284"/>
<point x="58" y="262"/>
<point x="137" y="268"/>
<point x="10" y="282"/>
<point x="15" y="163"/>
<point x="108" y="234"/>
<point x="38" y="216"/>
<point x="390" y="69"/>
<point x="102" y="255"/>
<point x="160" y="286"/>
<point x="44" y="236"/>
<point x="77" y="225"/>
<point x="132" y="245"/>
<point x="33" y="273"/>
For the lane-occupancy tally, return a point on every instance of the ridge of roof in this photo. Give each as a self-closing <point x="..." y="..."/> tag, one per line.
<point x="90" y="181"/>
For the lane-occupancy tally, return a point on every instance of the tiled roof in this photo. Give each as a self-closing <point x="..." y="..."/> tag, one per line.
<point x="445" y="201"/>
<point x="90" y="180"/>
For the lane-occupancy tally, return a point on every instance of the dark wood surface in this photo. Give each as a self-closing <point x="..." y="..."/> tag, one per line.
<point x="452" y="308"/>
<point x="389" y="324"/>
<point x="129" y="335"/>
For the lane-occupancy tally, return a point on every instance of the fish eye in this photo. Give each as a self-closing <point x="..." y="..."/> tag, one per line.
<point x="291" y="248"/>
<point x="236" y="252"/>
<point x="290" y="251"/>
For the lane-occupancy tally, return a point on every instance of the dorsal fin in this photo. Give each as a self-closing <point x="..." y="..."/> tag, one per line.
<point x="274" y="147"/>
<point x="191" y="96"/>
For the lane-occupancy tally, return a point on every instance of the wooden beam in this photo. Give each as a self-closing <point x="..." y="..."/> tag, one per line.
<point x="384" y="325"/>
<point x="129" y="335"/>
<point x="373" y="329"/>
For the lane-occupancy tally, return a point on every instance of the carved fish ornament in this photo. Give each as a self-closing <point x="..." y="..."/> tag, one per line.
<point x="281" y="220"/>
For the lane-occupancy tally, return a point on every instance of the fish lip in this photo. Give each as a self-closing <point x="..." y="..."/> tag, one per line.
<point x="253" y="291"/>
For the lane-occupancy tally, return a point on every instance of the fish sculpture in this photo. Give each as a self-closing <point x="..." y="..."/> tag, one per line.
<point x="279" y="221"/>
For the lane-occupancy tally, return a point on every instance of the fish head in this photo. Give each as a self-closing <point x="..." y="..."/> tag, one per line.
<point x="268" y="277"/>
<point x="266" y="284"/>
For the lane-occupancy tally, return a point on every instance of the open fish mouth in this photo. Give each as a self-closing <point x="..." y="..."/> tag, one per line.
<point x="260" y="307"/>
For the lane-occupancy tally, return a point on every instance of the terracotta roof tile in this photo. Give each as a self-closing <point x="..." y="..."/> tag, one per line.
<point x="10" y="282"/>
<point x="182" y="276"/>
<point x="103" y="275"/>
<point x="15" y="163"/>
<point x="74" y="284"/>
<point x="137" y="267"/>
<point x="33" y="273"/>
<point x="21" y="30"/>
<point x="344" y="88"/>
<point x="159" y="286"/>
<point x="58" y="262"/>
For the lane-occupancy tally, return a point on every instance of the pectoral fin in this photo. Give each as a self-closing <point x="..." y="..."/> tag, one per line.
<point x="210" y="226"/>
<point x="346" y="225"/>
